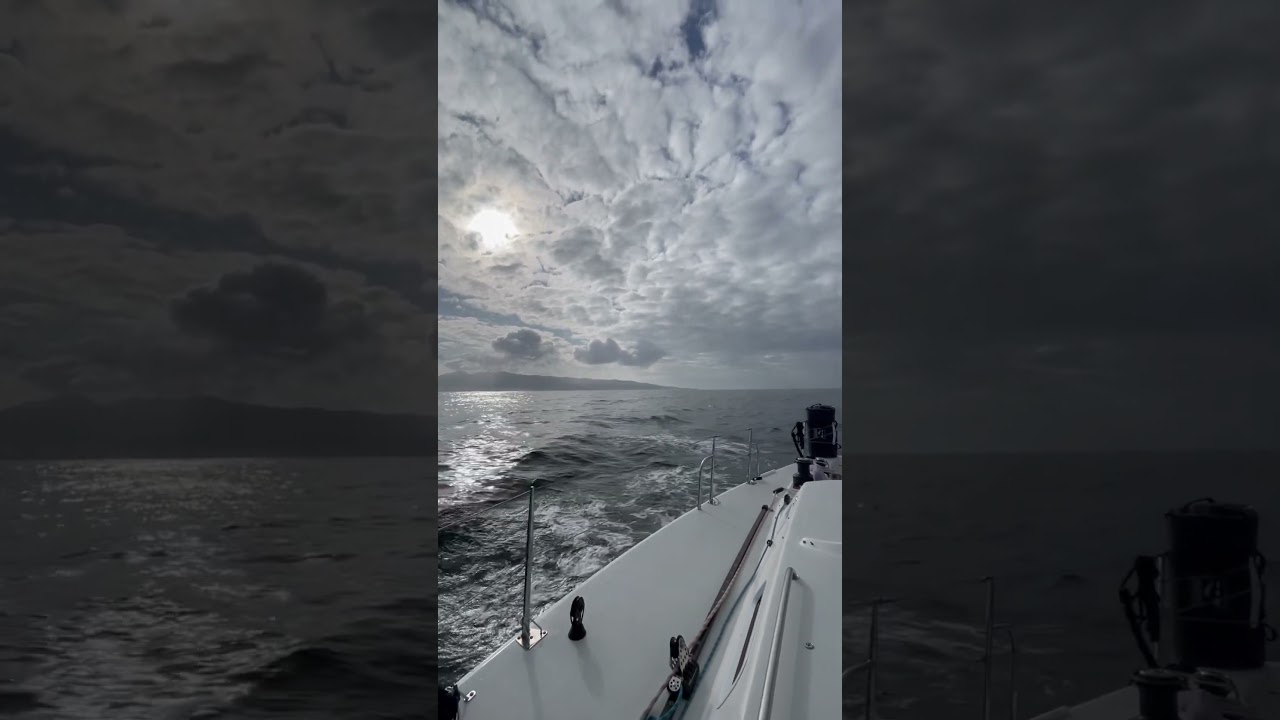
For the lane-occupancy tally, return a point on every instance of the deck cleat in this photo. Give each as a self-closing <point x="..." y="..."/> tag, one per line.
<point x="577" y="630"/>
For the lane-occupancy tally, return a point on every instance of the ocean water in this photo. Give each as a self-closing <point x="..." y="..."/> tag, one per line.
<point x="248" y="589"/>
<point x="618" y="465"/>
<point x="1058" y="532"/>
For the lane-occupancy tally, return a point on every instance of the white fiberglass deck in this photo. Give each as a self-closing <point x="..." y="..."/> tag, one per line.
<point x="808" y="681"/>
<point x="1259" y="696"/>
<point x="665" y="586"/>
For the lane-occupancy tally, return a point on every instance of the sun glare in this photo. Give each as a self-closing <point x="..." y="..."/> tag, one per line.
<point x="495" y="228"/>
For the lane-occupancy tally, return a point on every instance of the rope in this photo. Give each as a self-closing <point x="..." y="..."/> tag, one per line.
<point x="696" y="647"/>
<point x="741" y="594"/>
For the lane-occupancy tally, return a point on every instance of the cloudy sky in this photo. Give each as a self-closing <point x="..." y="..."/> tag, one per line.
<point x="1063" y="227"/>
<point x="224" y="197"/>
<point x="1062" y="223"/>
<point x="641" y="190"/>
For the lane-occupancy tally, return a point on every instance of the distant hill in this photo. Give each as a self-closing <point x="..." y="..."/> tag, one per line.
<point x="205" y="427"/>
<point x="471" y="382"/>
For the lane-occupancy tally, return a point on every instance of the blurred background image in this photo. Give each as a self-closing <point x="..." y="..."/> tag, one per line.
<point x="1059" y="248"/>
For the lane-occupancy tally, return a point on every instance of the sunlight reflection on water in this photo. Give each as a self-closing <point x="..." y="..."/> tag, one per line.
<point x="487" y="445"/>
<point x="171" y="588"/>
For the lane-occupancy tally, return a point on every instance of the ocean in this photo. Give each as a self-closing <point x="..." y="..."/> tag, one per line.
<point x="167" y="589"/>
<point x="1057" y="531"/>
<point x="618" y="465"/>
<point x="229" y="589"/>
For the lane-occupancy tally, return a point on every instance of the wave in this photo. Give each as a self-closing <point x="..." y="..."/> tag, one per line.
<point x="306" y="668"/>
<point x="343" y="676"/>
<point x="637" y="420"/>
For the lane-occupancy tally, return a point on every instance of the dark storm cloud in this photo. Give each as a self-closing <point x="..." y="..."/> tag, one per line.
<point x="271" y="309"/>
<point x="601" y="353"/>
<point x="523" y="344"/>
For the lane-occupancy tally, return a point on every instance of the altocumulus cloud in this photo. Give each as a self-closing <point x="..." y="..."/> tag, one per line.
<point x="523" y="343"/>
<point x="673" y="177"/>
<point x="599" y="353"/>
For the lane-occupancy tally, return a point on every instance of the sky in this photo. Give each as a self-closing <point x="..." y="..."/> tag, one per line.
<point x="1061" y="220"/>
<point x="240" y="198"/>
<point x="223" y="197"/>
<point x="1062" y="227"/>
<point x="642" y="191"/>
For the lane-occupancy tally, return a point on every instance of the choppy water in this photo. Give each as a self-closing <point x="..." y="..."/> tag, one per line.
<point x="216" y="589"/>
<point x="619" y="465"/>
<point x="1058" y="532"/>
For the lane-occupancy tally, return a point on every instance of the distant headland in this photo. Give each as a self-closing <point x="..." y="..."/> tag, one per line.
<point x="475" y="382"/>
<point x="76" y="427"/>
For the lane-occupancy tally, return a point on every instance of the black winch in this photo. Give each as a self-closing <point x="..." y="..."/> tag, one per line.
<point x="803" y="473"/>
<point x="1208" y="587"/>
<point x="822" y="426"/>
<point x="817" y="436"/>
<point x="1157" y="693"/>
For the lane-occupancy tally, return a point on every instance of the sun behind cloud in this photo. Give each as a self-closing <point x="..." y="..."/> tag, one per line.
<point x="495" y="228"/>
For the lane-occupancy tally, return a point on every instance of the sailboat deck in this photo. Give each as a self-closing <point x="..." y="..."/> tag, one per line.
<point x="661" y="587"/>
<point x="806" y="683"/>
<point x="811" y="644"/>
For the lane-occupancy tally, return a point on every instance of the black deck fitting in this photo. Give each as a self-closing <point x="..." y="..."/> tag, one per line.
<point x="577" y="630"/>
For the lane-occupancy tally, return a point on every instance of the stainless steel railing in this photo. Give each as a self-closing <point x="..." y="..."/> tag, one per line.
<point x="988" y="655"/>
<point x="708" y="464"/>
<point x="871" y="664"/>
<point x="753" y="472"/>
<point x="530" y="631"/>
<point x="711" y="495"/>
<point x="527" y="638"/>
